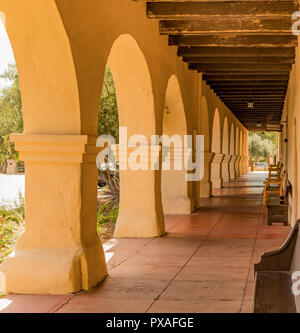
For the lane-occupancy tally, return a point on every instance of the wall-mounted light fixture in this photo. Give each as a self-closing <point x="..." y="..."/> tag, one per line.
<point x="250" y="104"/>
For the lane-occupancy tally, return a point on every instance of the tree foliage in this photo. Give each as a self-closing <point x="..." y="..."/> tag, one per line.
<point x="108" y="119"/>
<point x="11" y="120"/>
<point x="261" y="146"/>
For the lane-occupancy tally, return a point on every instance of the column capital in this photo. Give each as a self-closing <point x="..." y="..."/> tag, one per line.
<point x="218" y="158"/>
<point x="227" y="158"/>
<point x="209" y="154"/>
<point x="52" y="148"/>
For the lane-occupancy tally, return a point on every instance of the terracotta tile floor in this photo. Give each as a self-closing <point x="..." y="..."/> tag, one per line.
<point x="204" y="263"/>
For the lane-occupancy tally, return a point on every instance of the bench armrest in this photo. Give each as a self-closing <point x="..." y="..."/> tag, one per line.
<point x="281" y="259"/>
<point x="272" y="181"/>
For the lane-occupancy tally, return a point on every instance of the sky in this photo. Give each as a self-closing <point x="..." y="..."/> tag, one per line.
<point x="6" y="53"/>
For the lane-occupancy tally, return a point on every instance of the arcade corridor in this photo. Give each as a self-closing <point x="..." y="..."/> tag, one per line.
<point x="204" y="264"/>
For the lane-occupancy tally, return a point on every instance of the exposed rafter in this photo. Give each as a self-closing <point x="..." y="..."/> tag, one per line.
<point x="244" y="49"/>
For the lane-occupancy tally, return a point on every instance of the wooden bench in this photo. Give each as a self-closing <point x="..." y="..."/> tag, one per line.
<point x="274" y="185"/>
<point x="273" y="277"/>
<point x="278" y="208"/>
<point x="276" y="168"/>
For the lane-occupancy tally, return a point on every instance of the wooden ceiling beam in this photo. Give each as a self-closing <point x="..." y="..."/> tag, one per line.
<point x="271" y="105"/>
<point x="234" y="40"/>
<point x="264" y="106"/>
<point x="239" y="60"/>
<point x="204" y="68"/>
<point x="250" y="76"/>
<point x="202" y="51"/>
<point x="201" y="10"/>
<point x="252" y="89"/>
<point x="246" y="83"/>
<point x="248" y="117"/>
<point x="253" y="96"/>
<point x="279" y="25"/>
<point x="242" y="48"/>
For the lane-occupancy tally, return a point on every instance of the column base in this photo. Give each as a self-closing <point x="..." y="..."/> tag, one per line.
<point x="232" y="175"/>
<point x="205" y="190"/>
<point x="217" y="183"/>
<point x="226" y="178"/>
<point x="52" y="271"/>
<point x="225" y="168"/>
<point x="133" y="225"/>
<point x="177" y="205"/>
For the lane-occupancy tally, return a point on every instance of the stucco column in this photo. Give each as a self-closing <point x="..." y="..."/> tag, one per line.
<point x="242" y="165"/>
<point x="205" y="183"/>
<point x="140" y="213"/>
<point x="60" y="251"/>
<point x="216" y="170"/>
<point x="232" y="167"/>
<point x="246" y="162"/>
<point x="225" y="168"/>
<point x="237" y="166"/>
<point x="175" y="197"/>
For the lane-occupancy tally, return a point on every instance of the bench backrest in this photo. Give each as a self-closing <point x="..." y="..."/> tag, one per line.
<point x="295" y="267"/>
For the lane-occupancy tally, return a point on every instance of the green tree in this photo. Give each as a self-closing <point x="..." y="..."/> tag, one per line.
<point x="108" y="119"/>
<point x="11" y="120"/>
<point x="261" y="147"/>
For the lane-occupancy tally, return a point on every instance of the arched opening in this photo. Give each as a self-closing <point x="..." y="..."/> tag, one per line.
<point x="232" y="152"/>
<point x="241" y="143"/>
<point x="241" y="153"/>
<point x="237" y="141"/>
<point x="225" y="151"/>
<point x="232" y="174"/>
<point x="204" y="189"/>
<point x="237" y="153"/>
<point x="225" y="141"/>
<point x="174" y="185"/>
<point x="12" y="173"/>
<point x="216" y="150"/>
<point x="140" y="211"/>
<point x="294" y="215"/>
<point x="216" y="133"/>
<point x="204" y="124"/>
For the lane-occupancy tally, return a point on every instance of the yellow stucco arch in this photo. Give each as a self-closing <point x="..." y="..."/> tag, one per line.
<point x="216" y="133"/>
<point x="225" y="141"/>
<point x="45" y="58"/>
<point x="216" y="169"/>
<point x="237" y="141"/>
<point x="204" y="123"/>
<point x="241" y="143"/>
<point x="295" y="175"/>
<point x="133" y="86"/>
<point x="232" y="142"/>
<point x="174" y="186"/>
<point x="139" y="192"/>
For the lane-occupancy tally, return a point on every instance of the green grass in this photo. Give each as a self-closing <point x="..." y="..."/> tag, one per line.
<point x="108" y="211"/>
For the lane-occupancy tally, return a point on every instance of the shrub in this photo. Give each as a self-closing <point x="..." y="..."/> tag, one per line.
<point x="108" y="211"/>
<point x="13" y="226"/>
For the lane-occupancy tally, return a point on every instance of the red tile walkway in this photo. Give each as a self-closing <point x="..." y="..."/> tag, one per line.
<point x="204" y="263"/>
